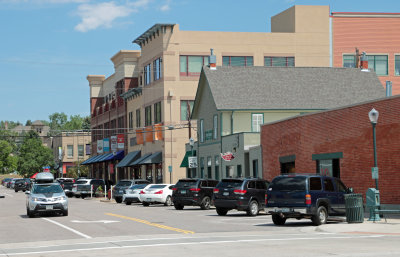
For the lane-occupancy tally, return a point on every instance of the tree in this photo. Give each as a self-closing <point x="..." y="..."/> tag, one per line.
<point x="75" y="123"/>
<point x="86" y="123"/>
<point x="57" y="122"/>
<point x="28" y="123"/>
<point x="8" y="162"/>
<point x="72" y="172"/>
<point x="33" y="156"/>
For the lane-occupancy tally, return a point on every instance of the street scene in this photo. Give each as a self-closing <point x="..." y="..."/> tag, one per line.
<point x="217" y="128"/>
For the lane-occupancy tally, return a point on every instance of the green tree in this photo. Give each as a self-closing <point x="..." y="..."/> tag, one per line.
<point x="33" y="156"/>
<point x="8" y="162"/>
<point x="72" y="172"/>
<point x="57" y="122"/>
<point x="86" y="123"/>
<point x="75" y="123"/>
<point x="28" y="123"/>
<point x="11" y="124"/>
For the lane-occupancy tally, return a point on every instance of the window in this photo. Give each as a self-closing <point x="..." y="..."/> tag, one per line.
<point x="349" y="61"/>
<point x="209" y="175"/>
<point x="138" y="124"/>
<point x="329" y="167"/>
<point x="255" y="168"/>
<point x="251" y="184"/>
<point x="191" y="65"/>
<point x="276" y="61"/>
<point x="147" y="116"/>
<point x="239" y="171"/>
<point x="157" y="112"/>
<point x="147" y="74"/>
<point x="315" y="184"/>
<point x="186" y="109"/>
<point x="157" y="69"/>
<point x="70" y="151"/>
<point x="237" y="61"/>
<point x="216" y="167"/>
<point x="81" y="151"/>
<point x="329" y="185"/>
<point x="256" y="120"/>
<point x="201" y="130"/>
<point x="215" y="134"/>
<point x="397" y="65"/>
<point x="130" y="120"/>
<point x="339" y="186"/>
<point x="202" y="167"/>
<point x="379" y="63"/>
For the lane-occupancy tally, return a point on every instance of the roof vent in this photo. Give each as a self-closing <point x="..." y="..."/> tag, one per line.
<point x="388" y="88"/>
<point x="364" y="62"/>
<point x="212" y="60"/>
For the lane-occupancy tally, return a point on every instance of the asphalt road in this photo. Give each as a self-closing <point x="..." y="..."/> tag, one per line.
<point x="95" y="228"/>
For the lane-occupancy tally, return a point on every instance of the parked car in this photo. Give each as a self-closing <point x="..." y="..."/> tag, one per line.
<point x="5" y="181"/>
<point x="23" y="184"/>
<point x="157" y="193"/>
<point x="119" y="189"/>
<point x="302" y="196"/>
<point x="66" y="184"/>
<point x="46" y="196"/>
<point x="132" y="194"/>
<point x="193" y="192"/>
<point x="84" y="187"/>
<point x="12" y="182"/>
<point x="242" y="194"/>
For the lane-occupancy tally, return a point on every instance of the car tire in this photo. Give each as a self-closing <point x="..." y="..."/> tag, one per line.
<point x="16" y="191"/>
<point x="205" y="203"/>
<point x="118" y="200"/>
<point x="83" y="196"/>
<point x="65" y="213"/>
<point x="253" y="208"/>
<point x="128" y="202"/>
<point x="29" y="213"/>
<point x="168" y="201"/>
<point x="222" y="211"/>
<point x="320" y="217"/>
<point x="278" y="220"/>
<point x="145" y="204"/>
<point x="178" y="206"/>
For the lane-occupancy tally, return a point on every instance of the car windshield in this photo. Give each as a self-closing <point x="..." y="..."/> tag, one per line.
<point x="81" y="182"/>
<point x="230" y="183"/>
<point x="186" y="183"/>
<point x="288" y="184"/>
<point x="140" y="186"/>
<point x="124" y="183"/>
<point x="43" y="189"/>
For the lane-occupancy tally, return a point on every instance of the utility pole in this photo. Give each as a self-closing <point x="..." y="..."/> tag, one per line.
<point x="357" y="58"/>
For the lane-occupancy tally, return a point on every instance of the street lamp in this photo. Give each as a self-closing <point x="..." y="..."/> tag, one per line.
<point x="191" y="142"/>
<point x="373" y="117"/>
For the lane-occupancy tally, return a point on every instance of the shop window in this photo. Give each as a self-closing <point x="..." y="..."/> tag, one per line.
<point x="278" y="61"/>
<point x="229" y="171"/>
<point x="216" y="167"/>
<point x="237" y="61"/>
<point x="255" y="168"/>
<point x="209" y="173"/>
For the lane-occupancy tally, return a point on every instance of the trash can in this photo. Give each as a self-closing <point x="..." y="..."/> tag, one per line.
<point x="354" y="208"/>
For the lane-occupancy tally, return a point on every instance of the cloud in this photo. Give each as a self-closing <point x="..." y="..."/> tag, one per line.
<point x="101" y="15"/>
<point x="166" y="6"/>
<point x="44" y="1"/>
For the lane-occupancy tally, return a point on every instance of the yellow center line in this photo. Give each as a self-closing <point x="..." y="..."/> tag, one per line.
<point x="151" y="223"/>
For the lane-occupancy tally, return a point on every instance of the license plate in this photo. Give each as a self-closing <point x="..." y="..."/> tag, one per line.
<point x="49" y="207"/>
<point x="149" y="199"/>
<point x="226" y="193"/>
<point x="283" y="210"/>
<point x="183" y="191"/>
<point x="121" y="191"/>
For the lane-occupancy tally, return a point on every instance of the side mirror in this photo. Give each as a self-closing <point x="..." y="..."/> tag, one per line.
<point x="27" y="192"/>
<point x="350" y="190"/>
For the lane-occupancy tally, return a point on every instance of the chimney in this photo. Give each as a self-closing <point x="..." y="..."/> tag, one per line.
<point x="212" y="59"/>
<point x="364" y="62"/>
<point x="388" y="88"/>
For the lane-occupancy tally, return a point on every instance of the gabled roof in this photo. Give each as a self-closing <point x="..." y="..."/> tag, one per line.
<point x="278" y="88"/>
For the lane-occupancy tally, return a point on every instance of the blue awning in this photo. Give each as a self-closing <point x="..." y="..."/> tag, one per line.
<point x="118" y="156"/>
<point x="138" y="161"/>
<point x="88" y="160"/>
<point x="94" y="160"/>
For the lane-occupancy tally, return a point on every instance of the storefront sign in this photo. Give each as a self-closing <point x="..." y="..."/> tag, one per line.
<point x="120" y="141"/>
<point x="99" y="146"/>
<point x="228" y="156"/>
<point x="114" y="144"/>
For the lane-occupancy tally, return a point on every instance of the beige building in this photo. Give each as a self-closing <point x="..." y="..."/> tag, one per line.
<point x="168" y="71"/>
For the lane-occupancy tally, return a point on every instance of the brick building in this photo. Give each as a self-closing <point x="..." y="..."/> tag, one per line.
<point x="339" y="142"/>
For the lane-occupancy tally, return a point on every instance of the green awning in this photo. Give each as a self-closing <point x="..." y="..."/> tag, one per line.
<point x="152" y="159"/>
<point x="185" y="161"/>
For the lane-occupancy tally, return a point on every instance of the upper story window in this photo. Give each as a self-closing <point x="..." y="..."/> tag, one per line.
<point x="81" y="151"/>
<point x="349" y="61"/>
<point x="147" y="116"/>
<point x="138" y="118"/>
<point x="201" y="130"/>
<point x="397" y="65"/>
<point x="147" y="74"/>
<point x="279" y="61"/>
<point x="70" y="151"/>
<point x="237" y="61"/>
<point x="186" y="109"/>
<point x="191" y="65"/>
<point x="157" y="69"/>
<point x="256" y="120"/>
<point x="157" y="112"/>
<point x="130" y="120"/>
<point x="378" y="63"/>
<point x="215" y="127"/>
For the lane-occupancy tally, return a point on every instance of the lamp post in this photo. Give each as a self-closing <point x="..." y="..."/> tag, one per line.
<point x="170" y="167"/>
<point x="191" y="142"/>
<point x="373" y="117"/>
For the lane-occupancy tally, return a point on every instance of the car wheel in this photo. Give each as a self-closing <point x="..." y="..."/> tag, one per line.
<point x="128" y="202"/>
<point x="65" y="213"/>
<point x="145" y="203"/>
<point x="168" y="201"/>
<point x="278" y="220"/>
<point x="118" y="200"/>
<point x="29" y="213"/>
<point x="321" y="216"/>
<point x="253" y="208"/>
<point x="179" y="206"/>
<point x="83" y="196"/>
<point x="222" y="212"/>
<point x="16" y="191"/>
<point x="205" y="203"/>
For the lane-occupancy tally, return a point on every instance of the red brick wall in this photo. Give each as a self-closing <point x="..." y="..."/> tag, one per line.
<point x="372" y="35"/>
<point x="347" y="130"/>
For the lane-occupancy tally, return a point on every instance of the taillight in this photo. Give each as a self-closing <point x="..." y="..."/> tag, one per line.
<point x="266" y="199"/>
<point x="174" y="189"/>
<point x="158" y="193"/>
<point x="195" y="189"/>
<point x="308" y="199"/>
<point x="62" y="186"/>
<point x="142" y="192"/>
<point x="239" y="191"/>
<point x="216" y="190"/>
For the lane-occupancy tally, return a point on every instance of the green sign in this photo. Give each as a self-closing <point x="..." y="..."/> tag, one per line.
<point x="375" y="173"/>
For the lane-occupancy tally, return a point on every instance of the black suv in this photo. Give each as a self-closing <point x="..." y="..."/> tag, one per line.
<point x="122" y="185"/>
<point x="243" y="194"/>
<point x="23" y="184"/>
<point x="309" y="196"/>
<point x="194" y="192"/>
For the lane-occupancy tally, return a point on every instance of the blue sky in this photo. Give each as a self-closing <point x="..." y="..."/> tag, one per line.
<point x="48" y="47"/>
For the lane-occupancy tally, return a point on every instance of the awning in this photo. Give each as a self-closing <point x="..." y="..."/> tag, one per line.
<point x="152" y="159"/>
<point x="103" y="157"/>
<point x="138" y="161"/>
<point x="130" y="157"/>
<point x="110" y="156"/>
<point x="94" y="159"/>
<point x="185" y="161"/>
<point x="88" y="160"/>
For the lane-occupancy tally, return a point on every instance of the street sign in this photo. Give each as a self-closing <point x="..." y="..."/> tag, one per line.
<point x="192" y="162"/>
<point x="375" y="173"/>
<point x="170" y="168"/>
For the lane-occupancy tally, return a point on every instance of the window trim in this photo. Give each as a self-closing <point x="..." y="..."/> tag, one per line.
<point x="215" y="126"/>
<point x="255" y="113"/>
<point x="187" y="73"/>
<point x="394" y="73"/>
<point x="245" y="61"/>
<point x="286" y="59"/>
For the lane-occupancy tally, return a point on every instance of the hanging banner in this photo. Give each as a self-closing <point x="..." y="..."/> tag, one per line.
<point x="228" y="156"/>
<point x="99" y="146"/>
<point x="114" y="144"/>
<point x="139" y="136"/>
<point x="106" y="144"/>
<point x="158" y="135"/>
<point x="120" y="141"/>
<point x="111" y="168"/>
<point x="149" y="134"/>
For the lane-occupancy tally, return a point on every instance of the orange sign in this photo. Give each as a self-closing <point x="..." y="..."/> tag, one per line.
<point x="139" y="136"/>
<point x="149" y="134"/>
<point x="158" y="132"/>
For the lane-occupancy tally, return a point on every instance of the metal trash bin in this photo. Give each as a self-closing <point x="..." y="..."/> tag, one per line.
<point x="354" y="208"/>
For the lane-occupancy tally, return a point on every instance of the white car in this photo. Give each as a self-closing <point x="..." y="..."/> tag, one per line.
<point x="157" y="193"/>
<point x="132" y="194"/>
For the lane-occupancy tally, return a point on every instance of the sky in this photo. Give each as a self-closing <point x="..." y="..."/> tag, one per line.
<point x="48" y="47"/>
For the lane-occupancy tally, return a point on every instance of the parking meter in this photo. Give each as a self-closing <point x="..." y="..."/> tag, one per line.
<point x="373" y="203"/>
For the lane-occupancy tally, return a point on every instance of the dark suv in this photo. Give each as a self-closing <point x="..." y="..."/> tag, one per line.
<point x="23" y="184"/>
<point x="242" y="194"/>
<point x="309" y="196"/>
<point x="122" y="185"/>
<point x="193" y="192"/>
